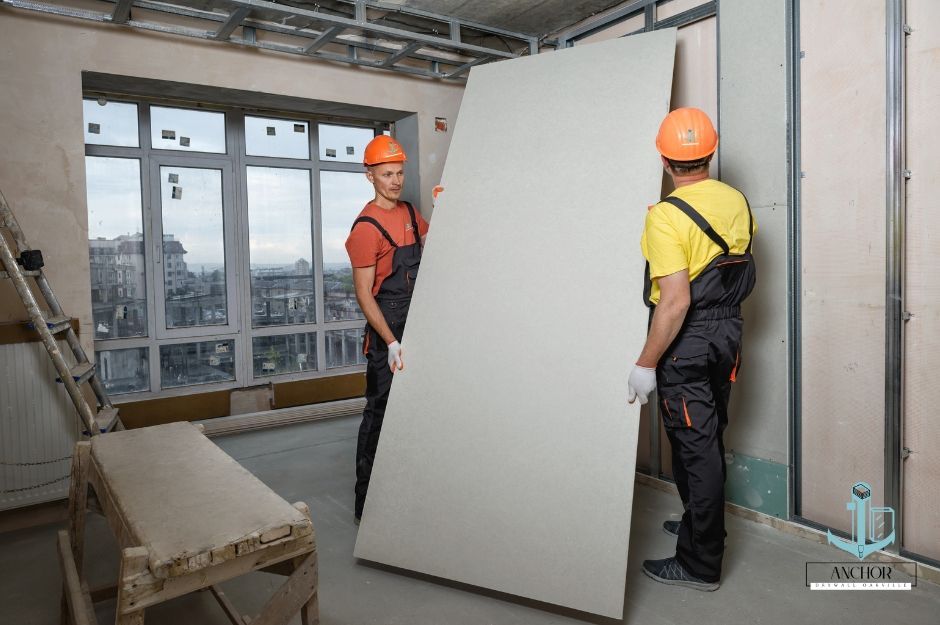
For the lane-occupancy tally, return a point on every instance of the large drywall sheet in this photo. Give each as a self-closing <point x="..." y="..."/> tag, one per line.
<point x="508" y="448"/>
<point x="922" y="297"/>
<point x="843" y="255"/>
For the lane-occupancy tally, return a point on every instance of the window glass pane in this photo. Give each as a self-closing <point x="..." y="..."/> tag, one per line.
<point x="124" y="370"/>
<point x="116" y="247"/>
<point x="287" y="353"/>
<point x="276" y="137"/>
<point x="343" y="143"/>
<point x="279" y="243"/>
<point x="342" y="197"/>
<point x="185" y="364"/>
<point x="193" y="247"/>
<point x="186" y="129"/>
<point x="344" y="348"/>
<point x="113" y="123"/>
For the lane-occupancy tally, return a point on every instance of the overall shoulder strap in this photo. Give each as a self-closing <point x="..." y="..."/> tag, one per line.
<point x="750" y="225"/>
<point x="378" y="227"/>
<point x="700" y="221"/>
<point x="414" y="223"/>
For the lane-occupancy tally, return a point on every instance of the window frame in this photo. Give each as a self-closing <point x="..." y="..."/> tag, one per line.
<point x="234" y="165"/>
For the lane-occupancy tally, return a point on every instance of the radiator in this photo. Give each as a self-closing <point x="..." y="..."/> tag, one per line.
<point x="38" y="427"/>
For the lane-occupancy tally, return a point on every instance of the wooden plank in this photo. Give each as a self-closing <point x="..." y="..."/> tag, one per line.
<point x="296" y="593"/>
<point x="148" y="590"/>
<point x="230" y="611"/>
<point x="19" y="332"/>
<point x="134" y="561"/>
<point x="78" y="500"/>
<point x="77" y="599"/>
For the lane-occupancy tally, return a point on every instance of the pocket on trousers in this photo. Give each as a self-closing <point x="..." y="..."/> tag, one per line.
<point x="674" y="408"/>
<point x="683" y="366"/>
<point x="687" y="405"/>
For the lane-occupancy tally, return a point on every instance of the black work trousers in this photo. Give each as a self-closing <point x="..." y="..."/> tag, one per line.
<point x="378" y="384"/>
<point x="694" y="381"/>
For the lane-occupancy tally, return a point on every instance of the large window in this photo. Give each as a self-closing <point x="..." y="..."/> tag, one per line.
<point x="216" y="241"/>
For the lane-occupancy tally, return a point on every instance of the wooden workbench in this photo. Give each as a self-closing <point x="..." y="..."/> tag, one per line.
<point x="186" y="517"/>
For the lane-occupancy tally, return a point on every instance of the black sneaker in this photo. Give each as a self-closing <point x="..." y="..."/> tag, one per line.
<point x="669" y="571"/>
<point x="671" y="527"/>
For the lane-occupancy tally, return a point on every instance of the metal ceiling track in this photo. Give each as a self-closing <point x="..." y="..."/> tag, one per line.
<point x="627" y="10"/>
<point x="360" y="39"/>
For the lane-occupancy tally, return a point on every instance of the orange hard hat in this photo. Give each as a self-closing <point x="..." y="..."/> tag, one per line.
<point x="686" y="135"/>
<point x="383" y="149"/>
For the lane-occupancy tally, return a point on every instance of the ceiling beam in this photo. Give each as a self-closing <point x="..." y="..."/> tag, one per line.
<point x="376" y="28"/>
<point x="325" y="38"/>
<point x="234" y="19"/>
<point x="405" y="51"/>
<point x="122" y="11"/>
<point x="466" y="67"/>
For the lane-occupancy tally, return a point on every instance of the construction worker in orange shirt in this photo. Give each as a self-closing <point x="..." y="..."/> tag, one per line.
<point x="384" y="246"/>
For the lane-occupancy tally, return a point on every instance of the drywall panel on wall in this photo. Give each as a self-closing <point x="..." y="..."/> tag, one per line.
<point x="695" y="81"/>
<point x="671" y="8"/>
<point x="753" y="158"/>
<point x="922" y="297"/>
<point x="758" y="425"/>
<point x="843" y="255"/>
<point x="624" y="27"/>
<point x="508" y="452"/>
<point x="753" y="92"/>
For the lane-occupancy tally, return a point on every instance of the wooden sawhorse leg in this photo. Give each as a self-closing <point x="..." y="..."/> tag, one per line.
<point x="135" y="562"/>
<point x="298" y="594"/>
<point x="78" y="500"/>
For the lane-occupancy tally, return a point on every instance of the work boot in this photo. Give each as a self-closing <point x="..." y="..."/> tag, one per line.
<point x="669" y="571"/>
<point x="672" y="527"/>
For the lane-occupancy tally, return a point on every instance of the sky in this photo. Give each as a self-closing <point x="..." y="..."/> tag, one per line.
<point x="279" y="199"/>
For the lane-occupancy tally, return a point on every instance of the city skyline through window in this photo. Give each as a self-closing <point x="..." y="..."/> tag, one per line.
<point x="217" y="246"/>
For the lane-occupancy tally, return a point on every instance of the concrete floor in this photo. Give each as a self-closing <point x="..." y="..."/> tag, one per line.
<point x="763" y="576"/>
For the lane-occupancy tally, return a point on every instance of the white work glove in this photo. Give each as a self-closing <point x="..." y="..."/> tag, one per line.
<point x="394" y="357"/>
<point x="642" y="382"/>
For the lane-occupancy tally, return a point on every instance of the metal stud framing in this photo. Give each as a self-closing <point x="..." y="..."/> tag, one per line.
<point x="894" y="289"/>
<point x="626" y="11"/>
<point x="321" y="35"/>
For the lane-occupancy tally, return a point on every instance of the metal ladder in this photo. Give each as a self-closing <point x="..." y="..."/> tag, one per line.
<point x="27" y="263"/>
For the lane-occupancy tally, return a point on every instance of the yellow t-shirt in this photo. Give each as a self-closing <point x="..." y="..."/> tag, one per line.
<point x="672" y="242"/>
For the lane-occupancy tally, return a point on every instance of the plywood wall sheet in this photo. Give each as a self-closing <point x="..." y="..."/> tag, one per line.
<point x="508" y="450"/>
<point x="843" y="254"/>
<point x="922" y="346"/>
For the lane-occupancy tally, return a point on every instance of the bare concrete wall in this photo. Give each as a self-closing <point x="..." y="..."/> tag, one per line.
<point x="41" y="141"/>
